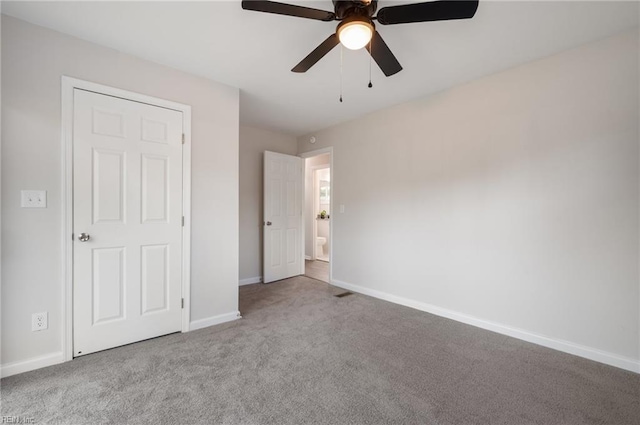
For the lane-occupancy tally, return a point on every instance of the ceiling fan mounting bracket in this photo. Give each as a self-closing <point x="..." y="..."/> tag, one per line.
<point x="348" y="8"/>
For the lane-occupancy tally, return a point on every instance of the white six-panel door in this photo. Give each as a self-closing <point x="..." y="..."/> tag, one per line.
<point x="282" y="216"/>
<point x="127" y="197"/>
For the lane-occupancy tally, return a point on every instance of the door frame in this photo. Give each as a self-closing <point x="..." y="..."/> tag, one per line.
<point x="68" y="85"/>
<point x="305" y="214"/>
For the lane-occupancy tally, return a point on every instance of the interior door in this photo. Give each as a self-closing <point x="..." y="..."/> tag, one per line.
<point x="127" y="221"/>
<point x="282" y="216"/>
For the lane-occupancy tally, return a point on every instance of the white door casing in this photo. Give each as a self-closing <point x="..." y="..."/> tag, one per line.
<point x="127" y="196"/>
<point x="282" y="224"/>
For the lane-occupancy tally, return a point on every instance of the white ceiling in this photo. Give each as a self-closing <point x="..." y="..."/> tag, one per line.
<point x="256" y="51"/>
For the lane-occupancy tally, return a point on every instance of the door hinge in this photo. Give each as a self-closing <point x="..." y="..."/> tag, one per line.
<point x="182" y="304"/>
<point x="73" y="236"/>
<point x="183" y="138"/>
<point x="182" y="221"/>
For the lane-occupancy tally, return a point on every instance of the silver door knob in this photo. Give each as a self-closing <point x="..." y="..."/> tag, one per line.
<point x="268" y="223"/>
<point x="84" y="237"/>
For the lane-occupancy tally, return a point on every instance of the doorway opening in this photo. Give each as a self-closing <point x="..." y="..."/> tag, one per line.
<point x="322" y="202"/>
<point x="317" y="215"/>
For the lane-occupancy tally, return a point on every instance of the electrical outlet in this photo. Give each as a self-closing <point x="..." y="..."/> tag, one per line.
<point x="33" y="199"/>
<point x="39" y="321"/>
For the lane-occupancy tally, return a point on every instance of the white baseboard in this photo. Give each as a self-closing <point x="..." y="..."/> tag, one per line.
<point x="307" y="257"/>
<point x="611" y="359"/>
<point x="31" y="364"/>
<point x="251" y="280"/>
<point x="55" y="358"/>
<point x="215" y="320"/>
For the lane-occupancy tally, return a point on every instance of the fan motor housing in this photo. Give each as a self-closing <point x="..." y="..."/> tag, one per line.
<point x="348" y="8"/>
<point x="354" y="18"/>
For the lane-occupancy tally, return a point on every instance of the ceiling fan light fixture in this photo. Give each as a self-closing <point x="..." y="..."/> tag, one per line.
<point x="355" y="34"/>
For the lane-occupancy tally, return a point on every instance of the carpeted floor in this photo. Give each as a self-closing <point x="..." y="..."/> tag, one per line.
<point x="302" y="356"/>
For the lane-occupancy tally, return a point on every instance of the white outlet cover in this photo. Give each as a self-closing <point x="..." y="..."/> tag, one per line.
<point x="39" y="321"/>
<point x="33" y="199"/>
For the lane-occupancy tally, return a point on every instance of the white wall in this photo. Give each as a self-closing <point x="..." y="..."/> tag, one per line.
<point x="510" y="202"/>
<point x="323" y="160"/>
<point x="253" y="143"/>
<point x="33" y="61"/>
<point x="1" y="253"/>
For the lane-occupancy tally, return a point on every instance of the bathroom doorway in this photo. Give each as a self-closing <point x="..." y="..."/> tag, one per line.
<point x="322" y="204"/>
<point x="318" y="214"/>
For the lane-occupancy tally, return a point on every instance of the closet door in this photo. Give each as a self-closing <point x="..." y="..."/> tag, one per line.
<point x="127" y="221"/>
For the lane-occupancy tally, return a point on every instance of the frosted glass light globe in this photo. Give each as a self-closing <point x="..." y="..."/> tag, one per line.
<point x="355" y="35"/>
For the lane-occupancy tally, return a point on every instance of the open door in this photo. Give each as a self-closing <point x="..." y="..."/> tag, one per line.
<point x="282" y="225"/>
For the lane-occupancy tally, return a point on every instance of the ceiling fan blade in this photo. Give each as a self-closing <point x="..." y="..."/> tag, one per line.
<point x="288" y="9"/>
<point x="319" y="52"/>
<point x="381" y="53"/>
<point x="423" y="12"/>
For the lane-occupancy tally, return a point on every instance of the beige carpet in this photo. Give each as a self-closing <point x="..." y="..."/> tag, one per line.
<point x="303" y="356"/>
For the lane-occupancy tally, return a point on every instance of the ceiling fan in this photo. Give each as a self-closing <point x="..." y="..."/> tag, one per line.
<point x="356" y="28"/>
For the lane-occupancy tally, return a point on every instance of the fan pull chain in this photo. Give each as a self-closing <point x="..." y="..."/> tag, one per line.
<point x="341" y="60"/>
<point x="370" y="60"/>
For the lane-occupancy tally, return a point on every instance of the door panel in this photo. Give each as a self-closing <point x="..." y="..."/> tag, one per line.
<point x="291" y="246"/>
<point x="154" y="278"/>
<point x="282" y="216"/>
<point x="127" y="195"/>
<point x="108" y="285"/>
<point x="108" y="122"/>
<point x="276" y="244"/>
<point x="155" y="188"/>
<point x="108" y="186"/>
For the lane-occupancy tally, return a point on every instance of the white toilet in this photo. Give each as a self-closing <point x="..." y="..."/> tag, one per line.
<point x="320" y="242"/>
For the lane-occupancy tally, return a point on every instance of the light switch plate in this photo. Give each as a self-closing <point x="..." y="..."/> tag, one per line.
<point x="33" y="199"/>
<point x="341" y="208"/>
